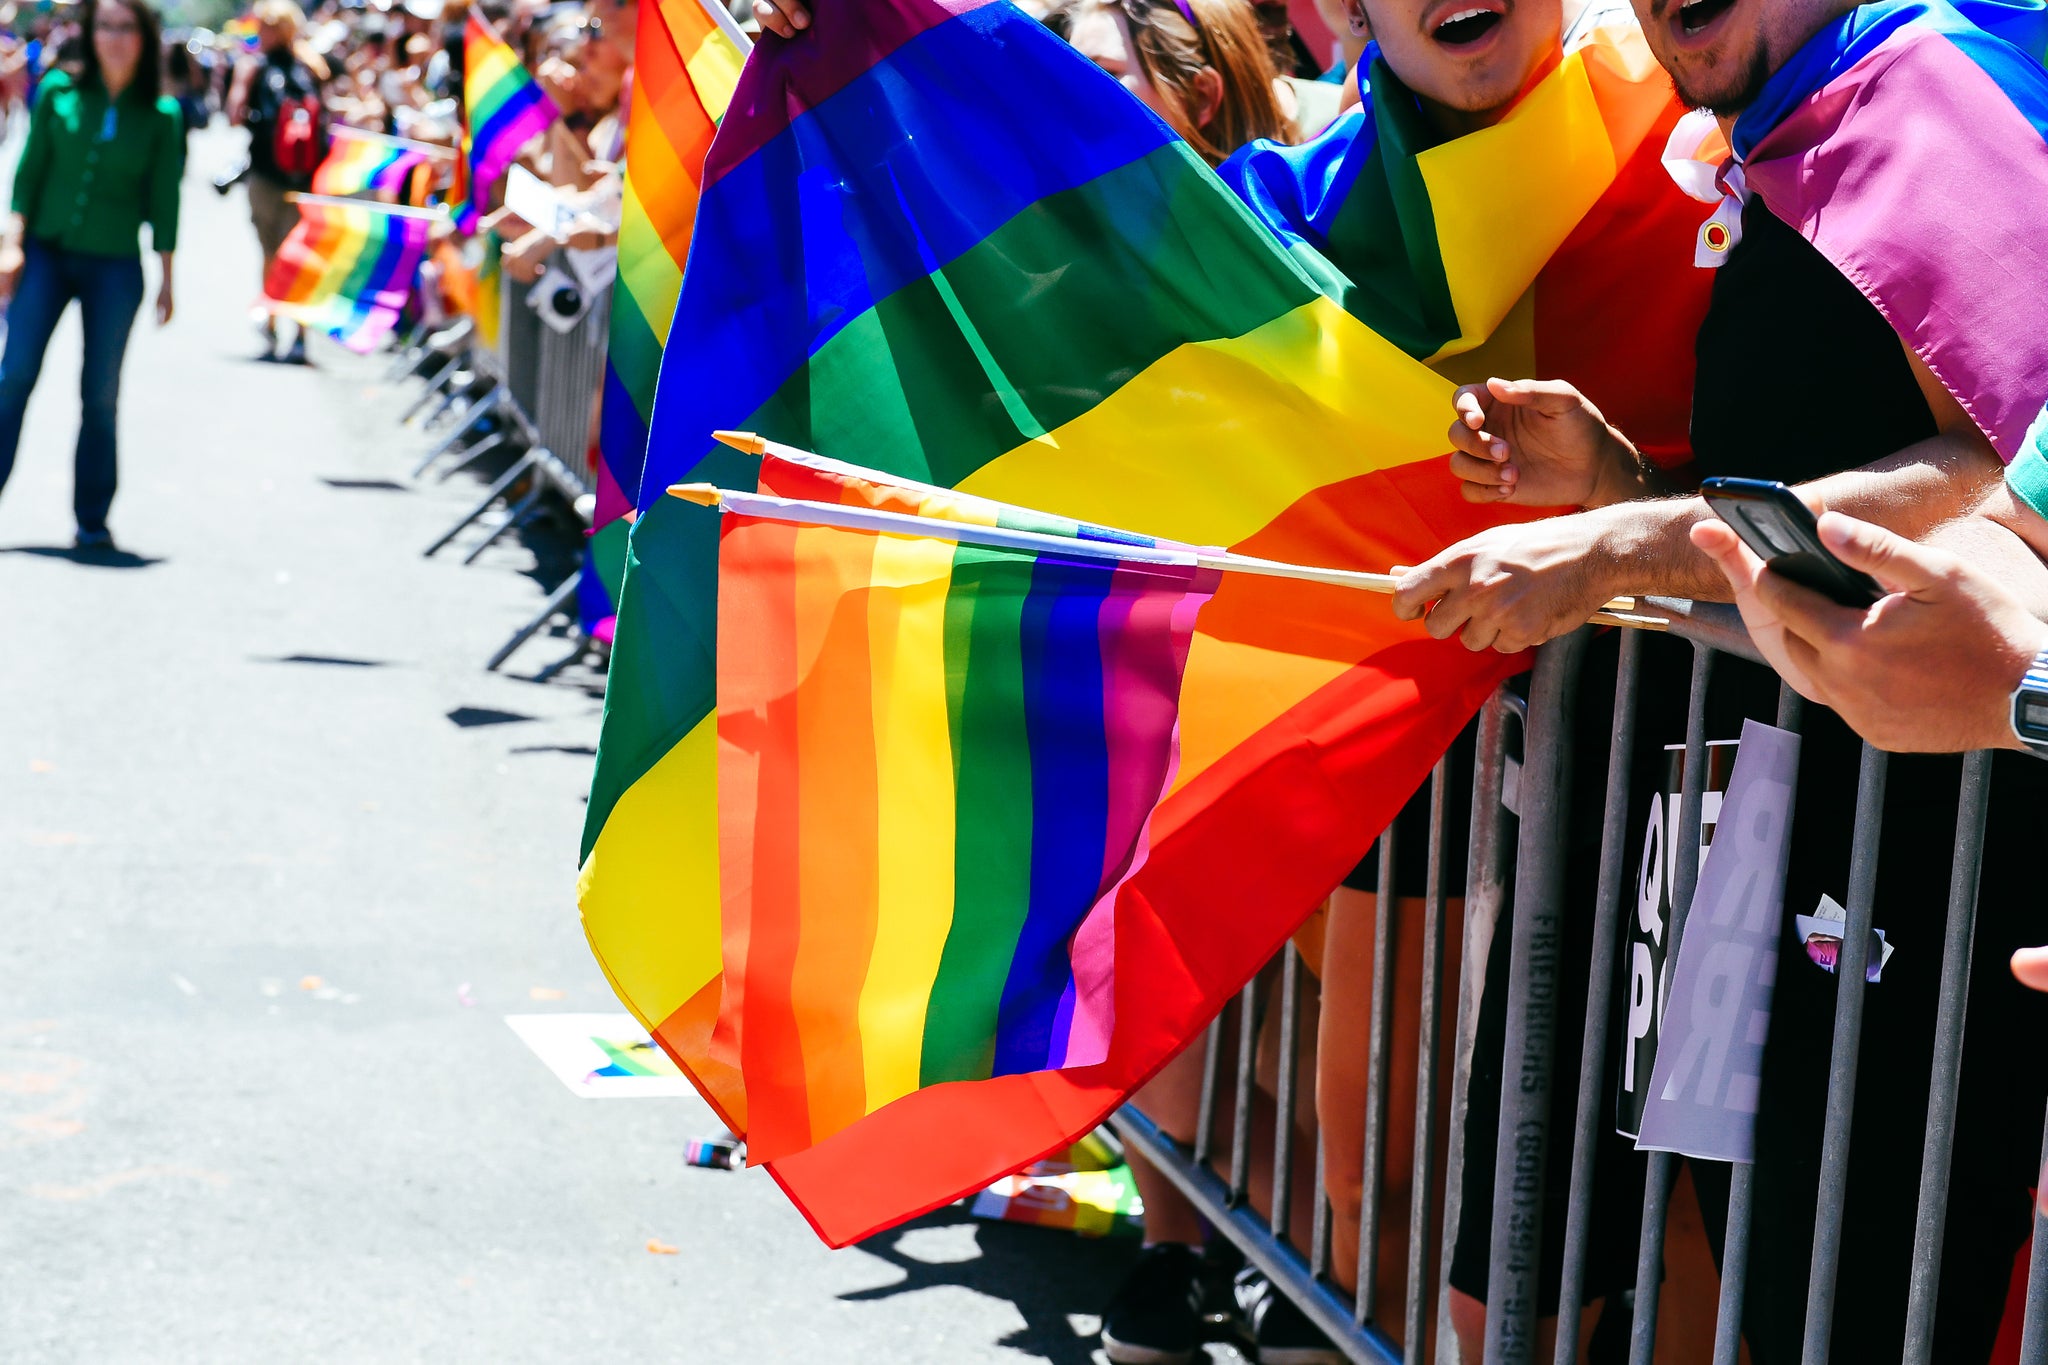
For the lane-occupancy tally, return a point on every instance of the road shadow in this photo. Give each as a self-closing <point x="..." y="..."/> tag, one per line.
<point x="469" y="717"/>
<point x="1047" y="1274"/>
<point x="103" y="558"/>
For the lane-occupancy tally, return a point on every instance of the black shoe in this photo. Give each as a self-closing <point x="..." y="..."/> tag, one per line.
<point x="297" y="354"/>
<point x="100" y="541"/>
<point x="1155" y="1318"/>
<point x="1281" y="1334"/>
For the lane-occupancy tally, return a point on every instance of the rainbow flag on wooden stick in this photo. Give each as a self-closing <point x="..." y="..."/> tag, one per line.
<point x="361" y="163"/>
<point x="503" y="107"/>
<point x="938" y="759"/>
<point x="349" y="266"/>
<point x="934" y="240"/>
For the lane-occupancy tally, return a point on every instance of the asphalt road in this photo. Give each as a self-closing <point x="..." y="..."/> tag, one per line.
<point x="258" y="748"/>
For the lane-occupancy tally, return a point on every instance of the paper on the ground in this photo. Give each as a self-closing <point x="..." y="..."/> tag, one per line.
<point x="601" y="1056"/>
<point x="1821" y="932"/>
<point x="1709" y="1067"/>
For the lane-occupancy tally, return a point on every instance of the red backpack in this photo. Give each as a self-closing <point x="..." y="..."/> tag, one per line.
<point x="298" y="138"/>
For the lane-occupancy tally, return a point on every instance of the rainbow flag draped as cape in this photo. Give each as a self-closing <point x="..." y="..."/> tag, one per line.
<point x="348" y="268"/>
<point x="360" y="163"/>
<point x="503" y="109"/>
<point x="934" y="240"/>
<point x="1908" y="141"/>
<point x="1588" y="283"/>
<point x="938" y="761"/>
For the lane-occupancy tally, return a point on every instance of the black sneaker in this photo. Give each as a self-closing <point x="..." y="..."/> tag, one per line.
<point x="297" y="354"/>
<point x="1156" y="1318"/>
<point x="94" y="541"/>
<point x="1281" y="1333"/>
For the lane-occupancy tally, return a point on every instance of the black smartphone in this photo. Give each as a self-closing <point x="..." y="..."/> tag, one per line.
<point x="1774" y="523"/>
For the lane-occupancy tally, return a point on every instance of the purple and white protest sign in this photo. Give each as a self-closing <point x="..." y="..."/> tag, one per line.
<point x="1703" y="1088"/>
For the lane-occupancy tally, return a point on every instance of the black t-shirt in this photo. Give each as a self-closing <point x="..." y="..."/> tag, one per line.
<point x="1799" y="375"/>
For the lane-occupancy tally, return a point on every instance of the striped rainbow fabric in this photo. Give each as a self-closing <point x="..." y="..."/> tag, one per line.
<point x="1868" y="142"/>
<point x="1024" y="287"/>
<point x="504" y="108"/>
<point x="938" y="761"/>
<point x="371" y="165"/>
<point x="348" y="268"/>
<point x="686" y="62"/>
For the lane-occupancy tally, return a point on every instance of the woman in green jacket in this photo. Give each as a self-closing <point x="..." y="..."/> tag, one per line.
<point x="104" y="156"/>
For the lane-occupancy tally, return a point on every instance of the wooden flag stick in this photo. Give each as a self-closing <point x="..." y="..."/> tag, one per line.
<point x="373" y="205"/>
<point x="348" y="133"/>
<point x="1620" y="612"/>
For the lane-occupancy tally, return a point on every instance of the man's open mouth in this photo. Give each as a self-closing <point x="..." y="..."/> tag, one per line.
<point x="1468" y="26"/>
<point x="1697" y="15"/>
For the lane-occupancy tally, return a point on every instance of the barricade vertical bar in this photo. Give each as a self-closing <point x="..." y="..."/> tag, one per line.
<point x="1849" y="983"/>
<point x="1379" y="1055"/>
<point x="1205" y="1112"/>
<point x="1427" y="1050"/>
<point x="1514" y="1254"/>
<point x="1663" y="1166"/>
<point x="1319" y="1234"/>
<point x="1946" y="1081"/>
<point x="1741" y="1178"/>
<point x="1283" y="1089"/>
<point x="1247" y="1066"/>
<point x="2034" y="1335"/>
<point x="1600" y="985"/>
<point x="1485" y="886"/>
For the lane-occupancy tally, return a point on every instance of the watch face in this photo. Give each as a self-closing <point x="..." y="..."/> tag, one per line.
<point x="2034" y="715"/>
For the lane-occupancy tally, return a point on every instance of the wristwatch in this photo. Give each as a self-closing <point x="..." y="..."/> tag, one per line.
<point x="2030" y="706"/>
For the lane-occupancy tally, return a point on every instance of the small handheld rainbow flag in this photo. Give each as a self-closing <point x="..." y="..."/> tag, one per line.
<point x="361" y="163"/>
<point x="348" y="267"/>
<point x="938" y="761"/>
<point x="504" y="108"/>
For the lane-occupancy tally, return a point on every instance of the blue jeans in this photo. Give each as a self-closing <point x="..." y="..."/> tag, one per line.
<point x="109" y="291"/>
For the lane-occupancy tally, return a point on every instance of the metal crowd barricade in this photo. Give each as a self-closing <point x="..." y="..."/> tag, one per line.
<point x="536" y="387"/>
<point x="1361" y="1326"/>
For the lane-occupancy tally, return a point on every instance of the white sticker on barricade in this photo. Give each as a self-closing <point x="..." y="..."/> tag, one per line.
<point x="1702" y="1097"/>
<point x="1645" y="979"/>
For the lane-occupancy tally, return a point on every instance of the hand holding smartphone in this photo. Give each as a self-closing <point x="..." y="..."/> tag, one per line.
<point x="1782" y="532"/>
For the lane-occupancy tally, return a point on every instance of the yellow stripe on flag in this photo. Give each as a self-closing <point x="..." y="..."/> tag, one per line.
<point x="914" y="808"/>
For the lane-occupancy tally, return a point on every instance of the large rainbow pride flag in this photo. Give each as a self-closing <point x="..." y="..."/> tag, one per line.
<point x="938" y="761"/>
<point x="1869" y="139"/>
<point x="686" y="62"/>
<point x="503" y="109"/>
<point x="935" y="241"/>
<point x="349" y="267"/>
<point x="687" y="57"/>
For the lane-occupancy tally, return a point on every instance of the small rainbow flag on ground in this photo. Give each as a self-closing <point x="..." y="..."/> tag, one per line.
<point x="504" y="108"/>
<point x="938" y="760"/>
<point x="361" y="163"/>
<point x="349" y="266"/>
